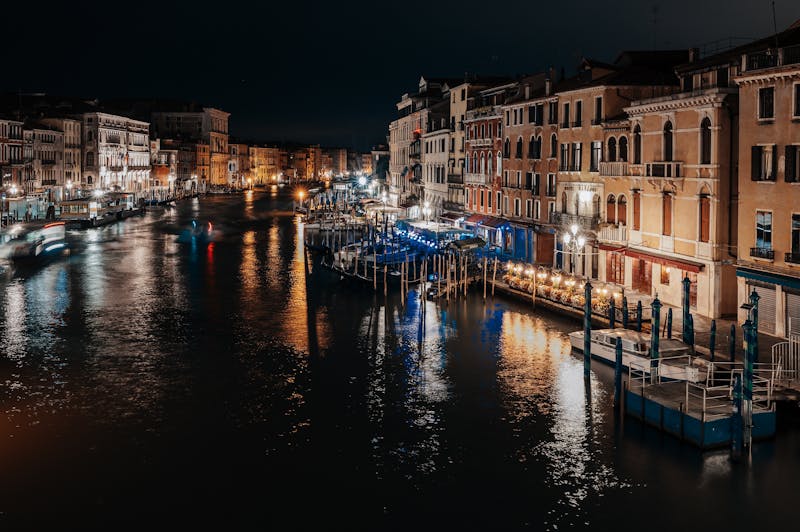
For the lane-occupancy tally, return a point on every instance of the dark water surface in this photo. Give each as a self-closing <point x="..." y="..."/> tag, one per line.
<point x="146" y="381"/>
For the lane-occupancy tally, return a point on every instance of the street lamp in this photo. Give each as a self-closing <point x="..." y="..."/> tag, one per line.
<point x="574" y="243"/>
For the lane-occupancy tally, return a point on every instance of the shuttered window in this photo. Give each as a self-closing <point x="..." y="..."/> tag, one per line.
<point x="705" y="218"/>
<point x="792" y="163"/>
<point x="611" y="210"/>
<point x="636" y="208"/>
<point x="666" y="227"/>
<point x="622" y="211"/>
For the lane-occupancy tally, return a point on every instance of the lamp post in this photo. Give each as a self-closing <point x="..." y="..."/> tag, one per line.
<point x="574" y="242"/>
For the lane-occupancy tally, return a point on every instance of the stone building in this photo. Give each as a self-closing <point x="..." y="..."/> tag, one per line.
<point x="11" y="159"/>
<point x="71" y="128"/>
<point x="116" y="152"/>
<point x="769" y="179"/>
<point x="47" y="164"/>
<point x="436" y="158"/>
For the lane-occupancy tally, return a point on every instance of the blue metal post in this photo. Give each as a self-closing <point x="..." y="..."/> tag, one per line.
<point x="732" y="343"/>
<point x="612" y="313"/>
<point x="639" y="315"/>
<point x="624" y="312"/>
<point x="587" y="329"/>
<point x="685" y="300"/>
<point x="736" y="419"/>
<point x="747" y="384"/>
<point x="654" y="333"/>
<point x="669" y="322"/>
<point x="689" y="328"/>
<point x="713" y="340"/>
<point x="618" y="372"/>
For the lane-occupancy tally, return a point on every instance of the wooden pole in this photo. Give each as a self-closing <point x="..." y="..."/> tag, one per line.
<point x="385" y="288"/>
<point x="485" y="265"/>
<point x="494" y="275"/>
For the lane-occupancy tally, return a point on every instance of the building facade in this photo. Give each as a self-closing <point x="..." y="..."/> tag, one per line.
<point x="116" y="152"/>
<point x="11" y="159"/>
<point x="71" y="128"/>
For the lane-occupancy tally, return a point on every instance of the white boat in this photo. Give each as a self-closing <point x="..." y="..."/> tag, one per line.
<point x="33" y="242"/>
<point x="674" y="362"/>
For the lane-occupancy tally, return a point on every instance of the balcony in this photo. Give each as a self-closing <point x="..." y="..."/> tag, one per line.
<point x="771" y="58"/>
<point x="455" y="179"/>
<point x="613" y="233"/>
<point x="49" y="182"/>
<point x="762" y="253"/>
<point x="666" y="169"/>
<point x="48" y="162"/>
<point x="471" y="178"/>
<point x="586" y="223"/>
<point x="613" y="168"/>
<point x="792" y="258"/>
<point x="479" y="143"/>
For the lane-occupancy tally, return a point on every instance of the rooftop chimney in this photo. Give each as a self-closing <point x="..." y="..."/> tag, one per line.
<point x="527" y="91"/>
<point x="694" y="54"/>
<point x="548" y="86"/>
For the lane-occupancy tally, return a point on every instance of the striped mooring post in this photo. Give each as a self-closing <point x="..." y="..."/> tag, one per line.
<point x="736" y="419"/>
<point x="669" y="322"/>
<point x="624" y="312"/>
<point x="639" y="315"/>
<point x="713" y="340"/>
<point x="732" y="343"/>
<point x="612" y="313"/>
<point x="587" y="329"/>
<point x="618" y="372"/>
<point x="654" y="334"/>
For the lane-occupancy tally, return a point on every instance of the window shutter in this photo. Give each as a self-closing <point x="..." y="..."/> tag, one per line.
<point x="773" y="175"/>
<point x="790" y="170"/>
<point x="667" y="206"/>
<point x="636" y="216"/>
<point x="705" y="213"/>
<point x="755" y="162"/>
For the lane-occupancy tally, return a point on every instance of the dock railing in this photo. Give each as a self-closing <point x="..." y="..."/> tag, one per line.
<point x="786" y="357"/>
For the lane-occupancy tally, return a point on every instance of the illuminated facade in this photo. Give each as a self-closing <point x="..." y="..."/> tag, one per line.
<point x="116" y="152"/>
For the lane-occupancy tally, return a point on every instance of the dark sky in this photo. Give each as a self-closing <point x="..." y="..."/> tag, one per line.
<point x="331" y="72"/>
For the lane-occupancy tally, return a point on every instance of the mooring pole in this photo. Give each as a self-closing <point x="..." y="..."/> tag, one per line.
<point x="587" y="330"/>
<point x="618" y="372"/>
<point x="612" y="313"/>
<point x="654" y="337"/>
<point x="494" y="275"/>
<point x="732" y="343"/>
<point x="669" y="322"/>
<point x="624" y="312"/>
<point x="713" y="340"/>
<point x="736" y="419"/>
<point x="747" y="385"/>
<point x="639" y="315"/>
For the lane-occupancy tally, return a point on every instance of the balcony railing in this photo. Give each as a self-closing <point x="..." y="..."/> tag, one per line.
<point x="792" y="257"/>
<point x="667" y="169"/>
<point x="477" y="143"/>
<point x="587" y="223"/>
<point x="455" y="179"/>
<point x="49" y="182"/>
<point x="613" y="233"/>
<point x="472" y="178"/>
<point x="763" y="253"/>
<point x="772" y="58"/>
<point x="613" y="168"/>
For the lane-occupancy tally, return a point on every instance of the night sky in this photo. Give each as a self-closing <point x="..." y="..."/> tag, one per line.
<point x="331" y="72"/>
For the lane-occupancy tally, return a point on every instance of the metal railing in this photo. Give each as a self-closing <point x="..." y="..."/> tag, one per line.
<point x="772" y="58"/>
<point x="584" y="222"/>
<point x="792" y="257"/>
<point x="763" y="253"/>
<point x="663" y="169"/>
<point x="613" y="233"/>
<point x="614" y="168"/>
<point x="786" y="357"/>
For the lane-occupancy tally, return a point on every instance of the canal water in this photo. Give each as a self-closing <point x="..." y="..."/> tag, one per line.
<point x="145" y="381"/>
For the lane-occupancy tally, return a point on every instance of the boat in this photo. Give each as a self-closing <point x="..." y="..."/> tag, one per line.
<point x="674" y="363"/>
<point x="33" y="242"/>
<point x="199" y="234"/>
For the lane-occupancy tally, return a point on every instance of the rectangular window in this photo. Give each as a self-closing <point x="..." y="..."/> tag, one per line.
<point x="551" y="185"/>
<point x="527" y="208"/>
<point x="576" y="156"/>
<point x="688" y="83"/>
<point x="552" y="111"/>
<point x="563" y="164"/>
<point x="466" y="198"/>
<point x="537" y="209"/>
<point x="597" y="155"/>
<point x="516" y="207"/>
<point x="566" y="115"/>
<point x="508" y="115"/>
<point x="481" y="198"/>
<point x="463" y="94"/>
<point x="763" y="163"/>
<point x="519" y="179"/>
<point x="763" y="230"/>
<point x="665" y="275"/>
<point x="578" y="113"/>
<point x="598" y="110"/>
<point x="505" y="204"/>
<point x="666" y="218"/>
<point x="797" y="100"/>
<point x="796" y="235"/>
<point x="505" y="178"/>
<point x="497" y="205"/>
<point x="489" y="200"/>
<point x="528" y="180"/>
<point x="637" y="201"/>
<point x="615" y="268"/>
<point x="722" y="77"/>
<point x="536" y="180"/>
<point x="766" y="103"/>
<point x="792" y="164"/>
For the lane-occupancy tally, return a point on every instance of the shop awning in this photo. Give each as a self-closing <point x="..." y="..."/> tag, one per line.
<point x="665" y="261"/>
<point x="451" y="216"/>
<point x="768" y="277"/>
<point x="493" y="222"/>
<point x="475" y="218"/>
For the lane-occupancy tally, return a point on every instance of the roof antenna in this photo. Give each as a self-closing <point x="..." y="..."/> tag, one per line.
<point x="774" y="24"/>
<point x="655" y="24"/>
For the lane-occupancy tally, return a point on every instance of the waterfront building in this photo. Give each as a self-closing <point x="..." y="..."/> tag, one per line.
<point x="596" y="95"/>
<point x="46" y="174"/>
<point x="436" y="159"/>
<point x="202" y="164"/>
<point x="116" y="152"/>
<point x="239" y="163"/>
<point x="163" y="171"/>
<point x="484" y="165"/>
<point x="71" y="159"/>
<point x="366" y="163"/>
<point x="11" y="160"/>
<point x="529" y="167"/>
<point x="264" y="164"/>
<point x="769" y="180"/>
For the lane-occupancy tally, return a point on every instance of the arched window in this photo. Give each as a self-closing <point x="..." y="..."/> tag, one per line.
<point x="489" y="163"/>
<point x="564" y="202"/>
<point x="538" y="147"/>
<point x="637" y="210"/>
<point x="483" y="163"/>
<point x="596" y="206"/>
<point x="705" y="141"/>
<point x="622" y="210"/>
<point x="612" y="149"/>
<point x="499" y="165"/>
<point x="532" y="148"/>
<point x="705" y="215"/>
<point x="553" y="146"/>
<point x="507" y="149"/>
<point x="89" y="135"/>
<point x="668" y="141"/>
<point x="467" y="162"/>
<point x="623" y="149"/>
<point x="637" y="145"/>
<point x="518" y="153"/>
<point x="611" y="209"/>
<point x="89" y="158"/>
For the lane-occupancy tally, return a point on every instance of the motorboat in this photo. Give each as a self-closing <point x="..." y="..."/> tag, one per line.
<point x="674" y="363"/>
<point x="199" y="233"/>
<point x="33" y="242"/>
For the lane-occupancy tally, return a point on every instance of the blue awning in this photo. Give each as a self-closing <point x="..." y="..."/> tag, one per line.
<point x="767" y="277"/>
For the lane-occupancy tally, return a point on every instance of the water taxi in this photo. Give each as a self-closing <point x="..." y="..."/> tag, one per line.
<point x="674" y="362"/>
<point x="33" y="242"/>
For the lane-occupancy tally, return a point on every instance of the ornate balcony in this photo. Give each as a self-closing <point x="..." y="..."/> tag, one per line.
<point x="667" y="169"/>
<point x="587" y="223"/>
<point x="613" y="233"/>
<point x="471" y="178"/>
<point x="480" y="143"/>
<point x="613" y="168"/>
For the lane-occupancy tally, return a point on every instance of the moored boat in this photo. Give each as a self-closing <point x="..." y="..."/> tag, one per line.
<point x="33" y="242"/>
<point x="674" y="362"/>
